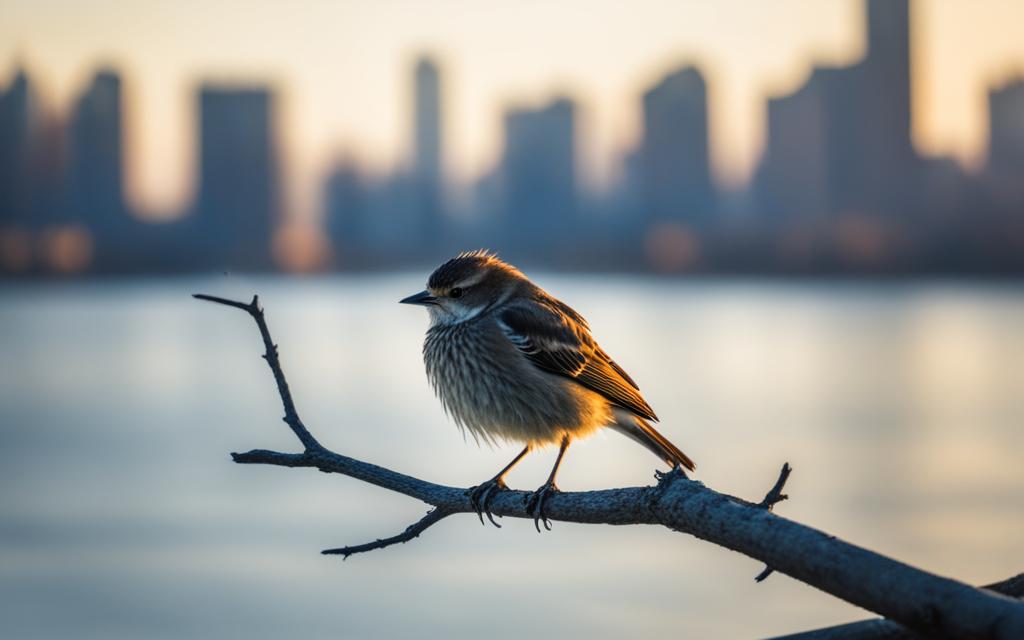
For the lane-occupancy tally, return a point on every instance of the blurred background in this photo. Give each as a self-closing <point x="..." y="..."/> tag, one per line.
<point x="798" y="224"/>
<point x="783" y="137"/>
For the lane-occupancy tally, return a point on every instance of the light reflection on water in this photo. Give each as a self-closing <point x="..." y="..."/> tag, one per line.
<point x="900" y="406"/>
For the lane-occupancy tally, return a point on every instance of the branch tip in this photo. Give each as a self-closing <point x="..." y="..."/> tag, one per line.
<point x="223" y="301"/>
<point x="761" y="577"/>
<point x="433" y="516"/>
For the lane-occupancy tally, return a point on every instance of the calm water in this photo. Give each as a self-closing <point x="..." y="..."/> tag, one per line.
<point x="900" y="406"/>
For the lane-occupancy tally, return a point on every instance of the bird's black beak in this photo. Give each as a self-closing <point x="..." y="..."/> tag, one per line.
<point x="422" y="298"/>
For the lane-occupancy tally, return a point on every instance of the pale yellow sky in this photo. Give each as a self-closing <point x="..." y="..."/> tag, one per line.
<point x="342" y="70"/>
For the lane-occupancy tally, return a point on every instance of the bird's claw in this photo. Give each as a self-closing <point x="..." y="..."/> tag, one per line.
<point x="481" y="496"/>
<point x="535" y="505"/>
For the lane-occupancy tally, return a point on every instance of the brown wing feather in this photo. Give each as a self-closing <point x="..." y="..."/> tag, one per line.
<point x="556" y="339"/>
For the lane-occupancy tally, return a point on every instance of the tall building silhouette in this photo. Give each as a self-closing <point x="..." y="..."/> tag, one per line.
<point x="16" y="188"/>
<point x="428" y="135"/>
<point x="16" y="126"/>
<point x="1004" y="170"/>
<point x="345" y="214"/>
<point x="888" y="66"/>
<point x="797" y="172"/>
<point x="841" y="143"/>
<point x="538" y="174"/>
<point x="95" y="179"/>
<point x="1006" y="129"/>
<point x="887" y="170"/>
<point x="675" y="175"/>
<point x="237" y="208"/>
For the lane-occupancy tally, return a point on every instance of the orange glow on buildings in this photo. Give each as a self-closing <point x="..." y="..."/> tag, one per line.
<point x="66" y="249"/>
<point x="671" y="247"/>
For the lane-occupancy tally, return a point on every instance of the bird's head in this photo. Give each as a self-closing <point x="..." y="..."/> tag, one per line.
<point x="467" y="285"/>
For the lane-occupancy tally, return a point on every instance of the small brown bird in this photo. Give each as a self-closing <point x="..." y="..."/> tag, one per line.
<point x="511" y="362"/>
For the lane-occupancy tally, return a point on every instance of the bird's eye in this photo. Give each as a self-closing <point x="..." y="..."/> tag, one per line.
<point x="455" y="292"/>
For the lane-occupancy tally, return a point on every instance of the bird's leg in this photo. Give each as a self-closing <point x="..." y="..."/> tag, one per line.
<point x="535" y="506"/>
<point x="481" y="495"/>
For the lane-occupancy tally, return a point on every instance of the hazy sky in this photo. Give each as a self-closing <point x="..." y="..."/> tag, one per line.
<point x="343" y="71"/>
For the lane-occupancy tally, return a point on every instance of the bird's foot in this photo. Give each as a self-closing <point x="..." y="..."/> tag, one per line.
<point x="535" y="505"/>
<point x="481" y="496"/>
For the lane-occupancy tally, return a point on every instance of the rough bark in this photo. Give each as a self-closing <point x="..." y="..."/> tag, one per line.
<point x="912" y="597"/>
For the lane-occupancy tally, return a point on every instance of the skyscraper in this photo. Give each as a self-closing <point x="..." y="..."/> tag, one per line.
<point x="841" y="143"/>
<point x="887" y="168"/>
<point x="15" y="175"/>
<point x="1006" y="129"/>
<point x="1004" y="170"/>
<point x="15" y="152"/>
<point x="888" y="65"/>
<point x="798" y="169"/>
<point x="237" y="208"/>
<point x="675" y="178"/>
<point x="538" y="173"/>
<point x="428" y="172"/>
<point x="345" y="208"/>
<point x="96" y="165"/>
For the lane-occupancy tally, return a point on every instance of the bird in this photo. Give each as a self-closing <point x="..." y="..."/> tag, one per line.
<point x="510" y="362"/>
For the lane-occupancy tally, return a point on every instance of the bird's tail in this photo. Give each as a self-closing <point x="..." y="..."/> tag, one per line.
<point x="640" y="430"/>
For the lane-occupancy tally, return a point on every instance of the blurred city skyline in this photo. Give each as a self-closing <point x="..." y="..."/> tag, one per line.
<point x="840" y="184"/>
<point x="339" y="74"/>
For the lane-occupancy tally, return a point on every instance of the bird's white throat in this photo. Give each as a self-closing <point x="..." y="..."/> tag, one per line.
<point x="452" y="314"/>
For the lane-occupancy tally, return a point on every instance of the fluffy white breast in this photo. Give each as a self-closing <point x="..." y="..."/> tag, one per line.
<point x="491" y="390"/>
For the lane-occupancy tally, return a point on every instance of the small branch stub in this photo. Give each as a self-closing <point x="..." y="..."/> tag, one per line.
<point x="775" y="495"/>
<point x="772" y="498"/>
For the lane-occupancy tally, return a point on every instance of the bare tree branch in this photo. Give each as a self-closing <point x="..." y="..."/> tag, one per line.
<point x="882" y="629"/>
<point x="915" y="598"/>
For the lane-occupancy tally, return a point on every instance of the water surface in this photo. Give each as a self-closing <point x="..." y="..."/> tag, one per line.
<point x="121" y="516"/>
